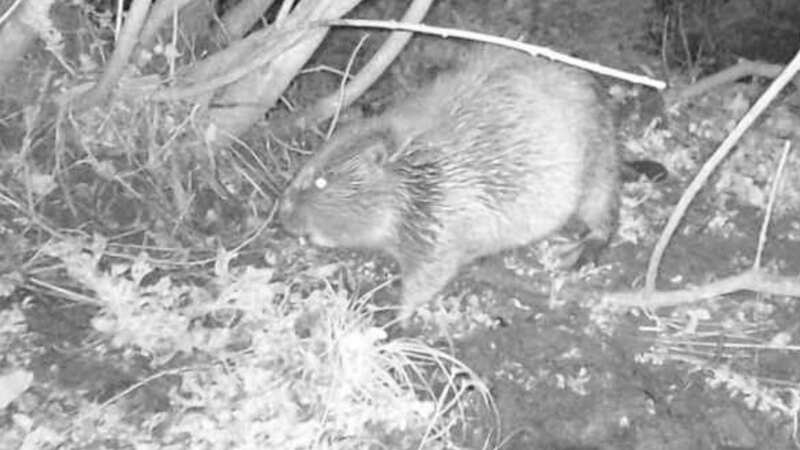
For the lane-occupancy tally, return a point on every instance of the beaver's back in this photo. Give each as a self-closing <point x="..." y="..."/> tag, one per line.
<point x="518" y="139"/>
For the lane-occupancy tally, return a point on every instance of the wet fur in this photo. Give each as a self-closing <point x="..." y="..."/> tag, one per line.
<point x="498" y="154"/>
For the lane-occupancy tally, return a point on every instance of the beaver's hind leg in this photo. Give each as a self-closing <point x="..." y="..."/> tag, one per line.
<point x="598" y="211"/>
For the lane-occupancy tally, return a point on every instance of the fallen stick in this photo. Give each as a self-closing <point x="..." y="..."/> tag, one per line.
<point x="750" y="280"/>
<point x="753" y="280"/>
<point x="711" y="165"/>
<point x="533" y="50"/>
<point x="743" y="68"/>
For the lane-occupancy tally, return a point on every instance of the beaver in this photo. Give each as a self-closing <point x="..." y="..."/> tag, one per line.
<point x="496" y="154"/>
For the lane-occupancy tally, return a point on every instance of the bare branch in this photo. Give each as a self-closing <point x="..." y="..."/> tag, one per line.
<point x="743" y="69"/>
<point x="8" y="12"/>
<point x="713" y="162"/>
<point x="326" y="107"/>
<point x="246" y="100"/>
<point x="751" y="280"/>
<point x="281" y="41"/>
<point x="533" y="50"/>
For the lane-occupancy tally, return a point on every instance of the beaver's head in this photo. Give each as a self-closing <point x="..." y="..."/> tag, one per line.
<point x="346" y="195"/>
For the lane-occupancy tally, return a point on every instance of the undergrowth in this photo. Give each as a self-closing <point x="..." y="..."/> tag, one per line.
<point x="252" y="363"/>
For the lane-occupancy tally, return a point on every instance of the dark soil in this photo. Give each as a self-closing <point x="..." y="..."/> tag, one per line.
<point x="531" y="357"/>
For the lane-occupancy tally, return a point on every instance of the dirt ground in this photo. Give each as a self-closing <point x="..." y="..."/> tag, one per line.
<point x="562" y="382"/>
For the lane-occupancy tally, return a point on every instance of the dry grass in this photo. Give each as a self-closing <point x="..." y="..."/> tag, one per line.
<point x="276" y="370"/>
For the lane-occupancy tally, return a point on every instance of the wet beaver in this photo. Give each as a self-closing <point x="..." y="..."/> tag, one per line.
<point x="498" y="154"/>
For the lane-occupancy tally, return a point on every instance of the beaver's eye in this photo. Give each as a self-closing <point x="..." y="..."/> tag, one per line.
<point x="320" y="183"/>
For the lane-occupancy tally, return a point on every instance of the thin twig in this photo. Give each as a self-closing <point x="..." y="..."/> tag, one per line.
<point x="533" y="50"/>
<point x="9" y="11"/>
<point x="64" y="293"/>
<point x="664" y="43"/>
<point x="684" y="40"/>
<point x="762" y="237"/>
<point x="372" y="70"/>
<point x="347" y="70"/>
